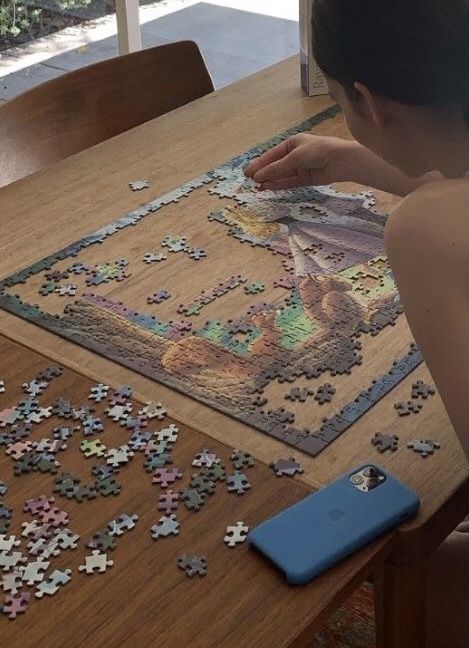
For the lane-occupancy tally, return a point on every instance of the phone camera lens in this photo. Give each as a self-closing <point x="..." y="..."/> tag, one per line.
<point x="370" y="471"/>
<point x="357" y="480"/>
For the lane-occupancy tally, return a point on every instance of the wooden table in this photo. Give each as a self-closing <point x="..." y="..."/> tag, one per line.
<point x="45" y="211"/>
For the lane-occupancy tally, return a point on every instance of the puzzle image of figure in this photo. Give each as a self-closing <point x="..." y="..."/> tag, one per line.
<point x="330" y="287"/>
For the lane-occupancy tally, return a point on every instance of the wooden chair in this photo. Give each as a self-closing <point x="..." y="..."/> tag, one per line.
<point x="87" y="106"/>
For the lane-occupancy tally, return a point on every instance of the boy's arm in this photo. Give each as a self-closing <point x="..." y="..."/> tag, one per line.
<point x="307" y="159"/>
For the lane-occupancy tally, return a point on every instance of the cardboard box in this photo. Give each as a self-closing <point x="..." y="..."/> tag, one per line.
<point x="312" y="79"/>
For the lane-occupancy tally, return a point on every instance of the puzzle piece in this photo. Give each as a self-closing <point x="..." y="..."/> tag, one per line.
<point x="8" y="542"/>
<point x="108" y="487"/>
<point x="92" y="425"/>
<point x="175" y="243"/>
<point x="11" y="581"/>
<point x="385" y="442"/>
<point x="254" y="288"/>
<point x="11" y="559"/>
<point x="154" y="257"/>
<point x="119" y="412"/>
<point x="66" y="484"/>
<point x="119" y="456"/>
<point x="288" y="467"/>
<point x="18" y="449"/>
<point x="422" y="390"/>
<point x="123" y="523"/>
<point x="156" y="460"/>
<point x="66" y="539"/>
<point x="324" y="393"/>
<point x="196" y="253"/>
<point x="138" y="185"/>
<point x="153" y="410"/>
<point x="35" y="529"/>
<point x="168" y="434"/>
<point x="16" y="604"/>
<point x="192" y="498"/>
<point x="215" y="472"/>
<point x="236" y="534"/>
<point x="166" y="526"/>
<point x="49" y="446"/>
<point x="98" y="392"/>
<point x="424" y="448"/>
<point x="203" y="484"/>
<point x="68" y="290"/>
<point x="33" y="572"/>
<point x="93" y="448"/>
<point x="168" y="501"/>
<point x="242" y="459"/>
<point x="193" y="565"/>
<point x="204" y="459"/>
<point x="103" y="541"/>
<point x="84" y="492"/>
<point x="64" y="433"/>
<point x="299" y="394"/>
<point x="54" y="516"/>
<point x="56" y="580"/>
<point x="97" y="562"/>
<point x="410" y="407"/>
<point x="35" y="387"/>
<point x="38" y="504"/>
<point x="166" y="476"/>
<point x="237" y="483"/>
<point x="158" y="297"/>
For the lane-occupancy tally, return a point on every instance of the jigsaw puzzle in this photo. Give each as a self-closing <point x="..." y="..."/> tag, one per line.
<point x="327" y="290"/>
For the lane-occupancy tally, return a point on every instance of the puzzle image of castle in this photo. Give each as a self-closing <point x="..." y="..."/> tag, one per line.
<point x="262" y="305"/>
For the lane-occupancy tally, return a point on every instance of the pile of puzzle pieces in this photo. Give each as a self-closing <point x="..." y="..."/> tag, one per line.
<point x="26" y="560"/>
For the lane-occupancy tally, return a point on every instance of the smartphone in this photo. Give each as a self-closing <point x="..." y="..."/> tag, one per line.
<point x="323" y="528"/>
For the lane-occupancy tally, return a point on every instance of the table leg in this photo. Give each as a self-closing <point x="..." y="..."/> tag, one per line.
<point x="400" y="607"/>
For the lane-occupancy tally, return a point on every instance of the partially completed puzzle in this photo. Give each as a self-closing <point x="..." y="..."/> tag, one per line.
<point x="222" y="291"/>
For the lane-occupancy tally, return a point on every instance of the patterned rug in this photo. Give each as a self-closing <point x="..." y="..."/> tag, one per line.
<point x="352" y="626"/>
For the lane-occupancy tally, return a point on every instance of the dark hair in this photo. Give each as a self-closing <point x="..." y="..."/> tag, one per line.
<point x="415" y="52"/>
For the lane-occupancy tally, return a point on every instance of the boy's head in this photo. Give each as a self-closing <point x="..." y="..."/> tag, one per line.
<point x="394" y="65"/>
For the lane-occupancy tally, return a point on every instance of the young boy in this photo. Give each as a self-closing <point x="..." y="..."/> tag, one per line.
<point x="400" y="72"/>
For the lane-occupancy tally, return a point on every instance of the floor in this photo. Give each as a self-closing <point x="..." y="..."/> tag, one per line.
<point x="235" y="41"/>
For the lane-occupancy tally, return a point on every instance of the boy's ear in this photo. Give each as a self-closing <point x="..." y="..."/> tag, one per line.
<point x="373" y="104"/>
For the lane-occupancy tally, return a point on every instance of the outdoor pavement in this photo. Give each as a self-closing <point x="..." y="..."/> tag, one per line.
<point x="235" y="42"/>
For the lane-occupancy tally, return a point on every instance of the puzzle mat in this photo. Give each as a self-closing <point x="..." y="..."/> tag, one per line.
<point x="253" y="303"/>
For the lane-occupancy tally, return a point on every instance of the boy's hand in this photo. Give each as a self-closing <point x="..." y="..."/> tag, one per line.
<point x="299" y="161"/>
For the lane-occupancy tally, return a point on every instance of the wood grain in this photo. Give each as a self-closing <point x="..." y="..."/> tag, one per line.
<point x="77" y="110"/>
<point x="191" y="140"/>
<point x="144" y="599"/>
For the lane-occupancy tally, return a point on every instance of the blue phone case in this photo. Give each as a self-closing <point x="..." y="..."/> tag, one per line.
<point x="318" y="531"/>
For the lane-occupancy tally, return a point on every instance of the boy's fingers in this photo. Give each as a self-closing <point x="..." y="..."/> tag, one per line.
<point x="283" y="168"/>
<point x="285" y="183"/>
<point x="272" y="155"/>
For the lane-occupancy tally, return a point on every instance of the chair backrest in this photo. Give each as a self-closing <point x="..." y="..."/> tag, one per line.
<point x="87" y="106"/>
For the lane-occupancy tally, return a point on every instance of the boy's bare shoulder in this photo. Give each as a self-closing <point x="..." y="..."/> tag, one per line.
<point x="435" y="217"/>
